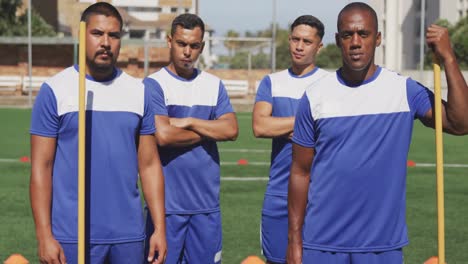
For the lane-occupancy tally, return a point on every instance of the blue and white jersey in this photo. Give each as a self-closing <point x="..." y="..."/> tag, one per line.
<point x="117" y="112"/>
<point x="191" y="174"/>
<point x="283" y="90"/>
<point x="361" y="136"/>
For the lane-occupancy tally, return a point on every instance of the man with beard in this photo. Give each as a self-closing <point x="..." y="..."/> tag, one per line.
<point x="120" y="144"/>
<point x="273" y="117"/>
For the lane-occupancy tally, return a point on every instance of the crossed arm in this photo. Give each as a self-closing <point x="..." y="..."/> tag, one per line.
<point x="454" y="111"/>
<point x="266" y="126"/>
<point x="180" y="132"/>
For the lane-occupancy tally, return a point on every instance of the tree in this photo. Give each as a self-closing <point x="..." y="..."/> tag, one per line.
<point x="459" y="38"/>
<point x="8" y="15"/>
<point x="283" y="58"/>
<point x="229" y="44"/>
<point x="460" y="42"/>
<point x="329" y="57"/>
<point x="12" y="25"/>
<point x="240" y="60"/>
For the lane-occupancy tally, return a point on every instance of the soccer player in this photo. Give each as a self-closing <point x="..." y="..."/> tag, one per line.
<point x="273" y="117"/>
<point x="119" y="146"/>
<point x="353" y="128"/>
<point x="192" y="112"/>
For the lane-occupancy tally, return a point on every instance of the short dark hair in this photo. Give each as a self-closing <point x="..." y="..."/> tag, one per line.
<point x="310" y="21"/>
<point x="358" y="6"/>
<point x="102" y="8"/>
<point x="187" y="21"/>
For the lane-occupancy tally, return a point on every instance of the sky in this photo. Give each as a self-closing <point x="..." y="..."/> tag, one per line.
<point x="253" y="15"/>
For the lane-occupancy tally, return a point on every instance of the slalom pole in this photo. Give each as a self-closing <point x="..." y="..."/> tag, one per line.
<point x="81" y="144"/>
<point x="439" y="163"/>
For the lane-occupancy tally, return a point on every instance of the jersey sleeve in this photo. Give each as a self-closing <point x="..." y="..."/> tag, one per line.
<point x="44" y="116"/>
<point x="147" y="123"/>
<point x="304" y="132"/>
<point x="223" y="105"/>
<point x="264" y="91"/>
<point x="420" y="99"/>
<point x="157" y="101"/>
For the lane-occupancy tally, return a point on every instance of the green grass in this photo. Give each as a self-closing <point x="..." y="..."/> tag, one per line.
<point x="241" y="201"/>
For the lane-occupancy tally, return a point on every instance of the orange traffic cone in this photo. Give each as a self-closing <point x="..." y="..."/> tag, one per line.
<point x="16" y="259"/>
<point x="433" y="260"/>
<point x="253" y="260"/>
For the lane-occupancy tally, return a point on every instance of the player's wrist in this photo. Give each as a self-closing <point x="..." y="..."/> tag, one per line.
<point x="294" y="236"/>
<point x="43" y="231"/>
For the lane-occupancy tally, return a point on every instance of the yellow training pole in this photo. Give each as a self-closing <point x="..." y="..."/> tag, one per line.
<point x="81" y="145"/>
<point x="439" y="163"/>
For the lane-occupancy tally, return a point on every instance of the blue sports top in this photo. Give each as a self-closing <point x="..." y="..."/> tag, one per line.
<point x="192" y="174"/>
<point x="361" y="136"/>
<point x="283" y="91"/>
<point x="117" y="112"/>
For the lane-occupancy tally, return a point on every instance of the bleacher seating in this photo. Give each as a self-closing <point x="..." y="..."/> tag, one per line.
<point x="257" y="84"/>
<point x="36" y="83"/>
<point x="236" y="87"/>
<point x="10" y="84"/>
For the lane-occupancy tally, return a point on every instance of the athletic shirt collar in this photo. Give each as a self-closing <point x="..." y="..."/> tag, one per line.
<point x="116" y="72"/>
<point x="371" y="79"/>
<point x="292" y="74"/>
<point x="196" y="72"/>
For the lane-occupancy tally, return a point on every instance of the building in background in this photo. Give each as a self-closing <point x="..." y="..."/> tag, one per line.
<point x="142" y="18"/>
<point x="400" y="22"/>
<point x="145" y="20"/>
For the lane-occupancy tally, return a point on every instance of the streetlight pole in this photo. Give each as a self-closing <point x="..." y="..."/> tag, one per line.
<point x="421" y="38"/>
<point x="29" y="54"/>
<point x="273" y="38"/>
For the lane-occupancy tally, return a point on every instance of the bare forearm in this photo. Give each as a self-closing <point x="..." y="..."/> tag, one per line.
<point x="270" y="127"/>
<point x="297" y="201"/>
<point x="298" y="189"/>
<point x="40" y="184"/>
<point x="153" y="191"/>
<point x="457" y="98"/>
<point x="40" y="189"/>
<point x="172" y="136"/>
<point x="454" y="118"/>
<point x="218" y="130"/>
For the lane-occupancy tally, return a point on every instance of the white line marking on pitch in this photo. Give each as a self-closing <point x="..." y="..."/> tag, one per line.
<point x="445" y="165"/>
<point x="261" y="163"/>
<point x="245" y="150"/>
<point x="9" y="160"/>
<point x="254" y="163"/>
<point x="264" y="163"/>
<point x="244" y="178"/>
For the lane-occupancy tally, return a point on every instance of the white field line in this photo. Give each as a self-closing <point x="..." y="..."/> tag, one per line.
<point x="244" y="178"/>
<point x="9" y="160"/>
<point x="445" y="165"/>
<point x="245" y="150"/>
<point x="254" y="163"/>
<point x="260" y="163"/>
<point x="264" y="163"/>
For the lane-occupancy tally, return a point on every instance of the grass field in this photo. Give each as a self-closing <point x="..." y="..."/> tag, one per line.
<point x="241" y="200"/>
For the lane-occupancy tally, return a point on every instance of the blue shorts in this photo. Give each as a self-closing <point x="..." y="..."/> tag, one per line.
<point x="386" y="257"/>
<point x="121" y="253"/>
<point x="275" y="228"/>
<point x="193" y="238"/>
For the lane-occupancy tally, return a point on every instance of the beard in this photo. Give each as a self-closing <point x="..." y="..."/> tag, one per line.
<point x="101" y="66"/>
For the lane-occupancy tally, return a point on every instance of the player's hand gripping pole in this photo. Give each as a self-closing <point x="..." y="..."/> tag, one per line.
<point x="81" y="144"/>
<point x="439" y="163"/>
